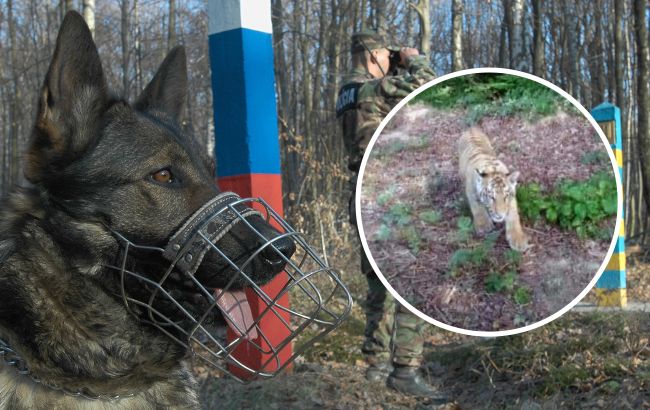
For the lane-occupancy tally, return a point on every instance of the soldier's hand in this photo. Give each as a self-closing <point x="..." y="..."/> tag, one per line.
<point x="407" y="52"/>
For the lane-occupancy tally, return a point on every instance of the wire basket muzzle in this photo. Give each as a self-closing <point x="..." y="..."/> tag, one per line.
<point x="265" y="332"/>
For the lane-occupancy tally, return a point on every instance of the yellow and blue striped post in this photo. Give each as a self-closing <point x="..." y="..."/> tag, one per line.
<point x="610" y="288"/>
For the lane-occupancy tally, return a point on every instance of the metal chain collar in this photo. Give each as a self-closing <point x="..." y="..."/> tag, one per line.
<point x="13" y="359"/>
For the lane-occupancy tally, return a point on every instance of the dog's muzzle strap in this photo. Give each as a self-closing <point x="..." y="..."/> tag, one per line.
<point x="212" y="221"/>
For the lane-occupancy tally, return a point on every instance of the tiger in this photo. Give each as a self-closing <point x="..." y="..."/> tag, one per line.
<point x="490" y="188"/>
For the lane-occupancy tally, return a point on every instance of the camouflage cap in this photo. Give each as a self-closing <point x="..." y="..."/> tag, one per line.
<point x="368" y="40"/>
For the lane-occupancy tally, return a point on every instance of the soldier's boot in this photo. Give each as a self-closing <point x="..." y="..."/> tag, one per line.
<point x="407" y="380"/>
<point x="377" y="372"/>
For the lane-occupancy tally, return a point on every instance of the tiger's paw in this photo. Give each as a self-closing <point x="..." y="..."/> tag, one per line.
<point x="483" y="227"/>
<point x="519" y="242"/>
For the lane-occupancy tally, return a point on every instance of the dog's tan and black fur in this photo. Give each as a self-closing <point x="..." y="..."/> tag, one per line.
<point x="91" y="165"/>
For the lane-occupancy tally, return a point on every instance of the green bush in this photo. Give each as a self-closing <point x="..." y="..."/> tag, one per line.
<point x="578" y="206"/>
<point x="497" y="282"/>
<point x="465" y="229"/>
<point x="412" y="237"/>
<point x="384" y="197"/>
<point x="503" y="268"/>
<point x="494" y="94"/>
<point x="430" y="216"/>
<point x="472" y="259"/>
<point x="399" y="219"/>
<point x="383" y="233"/>
<point x="399" y="214"/>
<point x="522" y="295"/>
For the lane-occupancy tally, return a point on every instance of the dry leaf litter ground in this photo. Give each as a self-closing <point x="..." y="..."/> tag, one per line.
<point x="414" y="162"/>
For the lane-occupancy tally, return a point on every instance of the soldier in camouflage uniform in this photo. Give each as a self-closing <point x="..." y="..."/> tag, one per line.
<point x="366" y="97"/>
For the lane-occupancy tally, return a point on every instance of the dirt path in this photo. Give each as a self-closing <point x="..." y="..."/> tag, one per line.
<point x="414" y="163"/>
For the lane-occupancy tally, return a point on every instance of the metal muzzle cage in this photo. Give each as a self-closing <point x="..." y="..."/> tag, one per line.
<point x="319" y="300"/>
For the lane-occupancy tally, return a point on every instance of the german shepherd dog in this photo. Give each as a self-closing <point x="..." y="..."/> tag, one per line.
<point x="97" y="166"/>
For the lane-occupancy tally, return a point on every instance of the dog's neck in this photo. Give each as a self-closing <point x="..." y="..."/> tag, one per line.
<point x="12" y="359"/>
<point x="106" y="341"/>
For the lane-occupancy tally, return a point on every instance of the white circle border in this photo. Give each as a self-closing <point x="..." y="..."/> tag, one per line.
<point x="619" y="191"/>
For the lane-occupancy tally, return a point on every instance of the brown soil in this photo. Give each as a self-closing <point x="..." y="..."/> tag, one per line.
<point x="415" y="160"/>
<point x="582" y="361"/>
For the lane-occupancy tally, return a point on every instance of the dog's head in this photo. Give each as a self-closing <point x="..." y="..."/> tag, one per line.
<point x="130" y="196"/>
<point x="132" y="168"/>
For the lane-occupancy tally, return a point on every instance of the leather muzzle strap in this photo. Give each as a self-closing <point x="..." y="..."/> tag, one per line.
<point x="213" y="220"/>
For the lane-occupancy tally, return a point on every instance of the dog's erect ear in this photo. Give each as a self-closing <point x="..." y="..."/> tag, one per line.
<point x="71" y="100"/>
<point x="167" y="90"/>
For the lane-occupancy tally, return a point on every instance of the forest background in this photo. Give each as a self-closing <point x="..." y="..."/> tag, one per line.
<point x="595" y="50"/>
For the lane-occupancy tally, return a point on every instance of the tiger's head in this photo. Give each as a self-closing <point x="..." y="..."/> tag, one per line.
<point x="496" y="191"/>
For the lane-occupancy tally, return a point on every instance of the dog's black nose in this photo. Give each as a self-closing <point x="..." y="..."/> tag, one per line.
<point x="274" y="254"/>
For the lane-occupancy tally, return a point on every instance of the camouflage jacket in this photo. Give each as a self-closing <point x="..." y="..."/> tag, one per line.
<point x="364" y="101"/>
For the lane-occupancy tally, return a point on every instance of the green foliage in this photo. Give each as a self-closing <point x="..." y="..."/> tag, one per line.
<point x="496" y="282"/>
<point x="412" y="237"/>
<point x="399" y="219"/>
<point x="494" y="94"/>
<point x="579" y="206"/>
<point x="387" y="150"/>
<point x="594" y="157"/>
<point x="522" y="295"/>
<point x="399" y="145"/>
<point x="386" y="196"/>
<point x="503" y="269"/>
<point x="383" y="233"/>
<point x="505" y="282"/>
<point x="512" y="257"/>
<point x="564" y="376"/>
<point x="430" y="216"/>
<point x="465" y="229"/>
<point x="611" y="387"/>
<point x="468" y="259"/>
<point x="474" y="258"/>
<point x="399" y="214"/>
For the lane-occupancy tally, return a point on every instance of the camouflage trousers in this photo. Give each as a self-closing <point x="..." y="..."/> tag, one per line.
<point x="390" y="327"/>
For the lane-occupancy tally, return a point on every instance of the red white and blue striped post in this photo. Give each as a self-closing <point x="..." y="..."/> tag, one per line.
<point x="246" y="131"/>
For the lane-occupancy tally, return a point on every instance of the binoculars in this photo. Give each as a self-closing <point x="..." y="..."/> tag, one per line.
<point x="395" y="62"/>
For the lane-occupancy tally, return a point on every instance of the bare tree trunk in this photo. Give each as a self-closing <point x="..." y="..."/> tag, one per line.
<point x="643" y="103"/>
<point x="137" y="47"/>
<point x="539" y="61"/>
<point x="571" y="51"/>
<point x="306" y="72"/>
<point x="125" y="47"/>
<point x="636" y="216"/>
<point x="503" y="38"/>
<point x="422" y="7"/>
<point x="279" y="57"/>
<point x="89" y="14"/>
<point x="14" y="111"/>
<point x="334" y="54"/>
<point x="519" y="59"/>
<point x="619" y="7"/>
<point x="380" y="10"/>
<point x="409" y="25"/>
<point x="510" y="30"/>
<point x="317" y="92"/>
<point x="457" y="10"/>
<point x="597" y="57"/>
<point x="171" y="28"/>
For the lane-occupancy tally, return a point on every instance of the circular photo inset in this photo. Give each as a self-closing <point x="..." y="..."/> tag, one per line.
<point x="488" y="202"/>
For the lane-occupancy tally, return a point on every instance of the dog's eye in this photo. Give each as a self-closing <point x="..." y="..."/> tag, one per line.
<point x="164" y="176"/>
